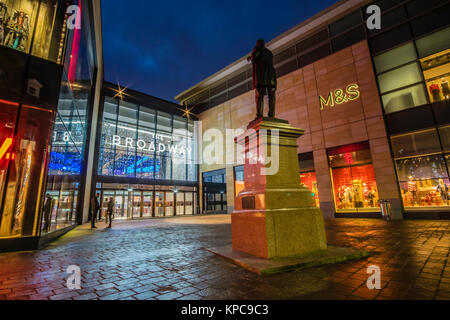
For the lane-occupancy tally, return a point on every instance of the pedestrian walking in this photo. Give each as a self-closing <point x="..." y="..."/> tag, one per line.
<point x="47" y="212"/>
<point x="95" y="207"/>
<point x="110" y="211"/>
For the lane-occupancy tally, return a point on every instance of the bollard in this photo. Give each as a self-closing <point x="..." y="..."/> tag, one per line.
<point x="385" y="209"/>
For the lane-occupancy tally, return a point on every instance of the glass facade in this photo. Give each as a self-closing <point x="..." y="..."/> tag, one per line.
<point x="215" y="191"/>
<point x="23" y="154"/>
<point x="142" y="143"/>
<point x="62" y="204"/>
<point x="421" y="160"/>
<point x="43" y="127"/>
<point x="353" y="177"/>
<point x="415" y="73"/>
<point x="146" y="161"/>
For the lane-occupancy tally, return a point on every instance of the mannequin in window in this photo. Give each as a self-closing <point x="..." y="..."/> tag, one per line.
<point x="371" y="196"/>
<point x="18" y="26"/>
<point x="435" y="91"/>
<point x="3" y="15"/>
<point x="341" y="197"/>
<point x="349" y="193"/>
<point x="442" y="190"/>
<point x="445" y="89"/>
<point x="412" y="188"/>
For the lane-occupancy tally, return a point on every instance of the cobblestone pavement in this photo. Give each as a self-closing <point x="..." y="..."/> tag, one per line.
<point x="165" y="259"/>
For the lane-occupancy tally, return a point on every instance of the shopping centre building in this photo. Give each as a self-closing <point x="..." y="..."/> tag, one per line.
<point x="145" y="156"/>
<point x="51" y="75"/>
<point x="374" y="105"/>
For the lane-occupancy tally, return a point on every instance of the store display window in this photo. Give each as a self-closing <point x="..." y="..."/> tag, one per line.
<point x="308" y="175"/>
<point x="8" y="112"/>
<point x="354" y="184"/>
<point x="17" y="21"/>
<point x="436" y="71"/>
<point x="422" y="169"/>
<point x="309" y="179"/>
<point x="41" y="23"/>
<point x="51" y="30"/>
<point x="423" y="181"/>
<point x="25" y="172"/>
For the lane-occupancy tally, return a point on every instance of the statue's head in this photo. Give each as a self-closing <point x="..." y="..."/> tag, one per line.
<point x="260" y="43"/>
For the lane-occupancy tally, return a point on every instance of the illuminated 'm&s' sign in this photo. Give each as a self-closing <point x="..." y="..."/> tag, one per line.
<point x="340" y="96"/>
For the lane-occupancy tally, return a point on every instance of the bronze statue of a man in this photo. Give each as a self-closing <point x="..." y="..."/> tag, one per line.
<point x="264" y="78"/>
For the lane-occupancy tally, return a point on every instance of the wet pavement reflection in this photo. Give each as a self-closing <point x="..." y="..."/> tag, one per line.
<point x="165" y="259"/>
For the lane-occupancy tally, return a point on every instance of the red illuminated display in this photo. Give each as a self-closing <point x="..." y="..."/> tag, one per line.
<point x="355" y="187"/>
<point x="309" y="179"/>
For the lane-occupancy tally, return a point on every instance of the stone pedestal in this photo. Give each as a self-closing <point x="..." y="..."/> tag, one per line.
<point x="275" y="215"/>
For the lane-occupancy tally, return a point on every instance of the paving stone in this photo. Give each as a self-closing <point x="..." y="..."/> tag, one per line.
<point x="146" y="295"/>
<point x="118" y="295"/>
<point x="89" y="296"/>
<point x="169" y="296"/>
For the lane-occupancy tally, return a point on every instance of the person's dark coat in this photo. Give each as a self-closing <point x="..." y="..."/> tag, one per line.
<point x="48" y="205"/>
<point x="94" y="204"/>
<point x="263" y="69"/>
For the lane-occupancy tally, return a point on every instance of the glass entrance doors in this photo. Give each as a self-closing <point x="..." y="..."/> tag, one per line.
<point x="169" y="203"/>
<point x="120" y="199"/>
<point x="159" y="204"/>
<point x="184" y="203"/>
<point x="137" y="204"/>
<point x="147" y="204"/>
<point x="179" y="203"/>
<point x="189" y="202"/>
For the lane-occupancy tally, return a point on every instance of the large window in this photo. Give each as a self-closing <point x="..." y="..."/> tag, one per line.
<point x="354" y="185"/>
<point x="8" y="113"/>
<point x="61" y="200"/>
<point x="308" y="175"/>
<point x="437" y="75"/>
<point x="415" y="73"/>
<point x="422" y="168"/>
<point x="309" y="179"/>
<point x="41" y="23"/>
<point x="214" y="191"/>
<point x="26" y="152"/>
<point x="239" y="183"/>
<point x="142" y="143"/>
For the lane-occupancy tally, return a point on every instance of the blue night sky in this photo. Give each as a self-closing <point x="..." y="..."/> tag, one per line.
<point x="164" y="47"/>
